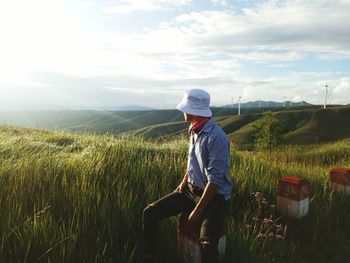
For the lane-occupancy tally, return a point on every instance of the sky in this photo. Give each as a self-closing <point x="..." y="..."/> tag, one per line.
<point x="96" y="54"/>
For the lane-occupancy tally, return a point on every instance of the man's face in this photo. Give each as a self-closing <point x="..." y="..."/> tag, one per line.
<point x="188" y="117"/>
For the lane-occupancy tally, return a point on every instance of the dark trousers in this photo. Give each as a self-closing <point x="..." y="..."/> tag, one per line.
<point x="212" y="221"/>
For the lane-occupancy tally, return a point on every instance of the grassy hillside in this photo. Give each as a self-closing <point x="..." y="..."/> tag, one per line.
<point x="162" y="130"/>
<point x="103" y="121"/>
<point x="95" y="121"/>
<point x="305" y="126"/>
<point x="301" y="125"/>
<point x="321" y="125"/>
<point x="79" y="198"/>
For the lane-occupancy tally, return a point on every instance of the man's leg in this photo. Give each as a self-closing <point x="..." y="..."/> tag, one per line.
<point x="211" y="229"/>
<point x="171" y="204"/>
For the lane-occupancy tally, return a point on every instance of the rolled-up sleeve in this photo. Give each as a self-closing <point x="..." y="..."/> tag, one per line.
<point x="218" y="160"/>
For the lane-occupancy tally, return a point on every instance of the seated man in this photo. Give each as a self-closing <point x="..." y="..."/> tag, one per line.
<point x="206" y="185"/>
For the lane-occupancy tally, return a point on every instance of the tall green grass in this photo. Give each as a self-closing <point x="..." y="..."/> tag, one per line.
<point x="79" y="198"/>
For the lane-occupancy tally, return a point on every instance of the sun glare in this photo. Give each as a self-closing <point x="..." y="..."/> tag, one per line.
<point x="36" y="35"/>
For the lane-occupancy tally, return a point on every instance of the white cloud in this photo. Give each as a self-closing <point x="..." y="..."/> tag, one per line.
<point x="146" y="90"/>
<point x="128" y="6"/>
<point x="220" y="2"/>
<point x="214" y="43"/>
<point x="248" y="92"/>
<point x="272" y="31"/>
<point x="343" y="88"/>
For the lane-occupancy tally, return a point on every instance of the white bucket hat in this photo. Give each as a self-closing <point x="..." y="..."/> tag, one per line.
<point x="195" y="102"/>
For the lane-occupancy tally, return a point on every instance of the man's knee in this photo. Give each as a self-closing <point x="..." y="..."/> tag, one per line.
<point x="206" y="245"/>
<point x="209" y="251"/>
<point x="149" y="212"/>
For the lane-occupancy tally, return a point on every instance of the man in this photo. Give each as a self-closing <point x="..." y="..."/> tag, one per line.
<point x="206" y="185"/>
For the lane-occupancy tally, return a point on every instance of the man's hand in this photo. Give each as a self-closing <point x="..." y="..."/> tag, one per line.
<point x="183" y="183"/>
<point x="195" y="216"/>
<point x="208" y="193"/>
<point x="181" y="187"/>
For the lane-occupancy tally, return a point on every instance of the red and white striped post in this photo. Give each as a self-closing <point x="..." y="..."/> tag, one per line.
<point x="293" y="196"/>
<point x="340" y="179"/>
<point x="188" y="244"/>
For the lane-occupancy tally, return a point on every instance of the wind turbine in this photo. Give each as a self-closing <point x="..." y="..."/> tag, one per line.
<point x="330" y="95"/>
<point x="239" y="105"/>
<point x="325" y="97"/>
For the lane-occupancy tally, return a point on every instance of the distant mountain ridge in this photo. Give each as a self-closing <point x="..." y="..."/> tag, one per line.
<point x="128" y="108"/>
<point x="268" y="104"/>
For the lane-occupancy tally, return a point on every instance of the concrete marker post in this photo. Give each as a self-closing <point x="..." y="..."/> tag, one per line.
<point x="188" y="244"/>
<point x="293" y="196"/>
<point x="339" y="179"/>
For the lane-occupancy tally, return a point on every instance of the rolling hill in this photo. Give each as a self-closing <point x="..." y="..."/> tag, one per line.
<point x="301" y="124"/>
<point x="91" y="121"/>
<point x="305" y="126"/>
<point x="100" y="121"/>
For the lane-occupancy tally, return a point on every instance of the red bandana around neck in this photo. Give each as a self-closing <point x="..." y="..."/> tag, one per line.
<point x="198" y="124"/>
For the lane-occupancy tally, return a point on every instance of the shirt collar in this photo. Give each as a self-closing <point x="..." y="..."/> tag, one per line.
<point x="208" y="126"/>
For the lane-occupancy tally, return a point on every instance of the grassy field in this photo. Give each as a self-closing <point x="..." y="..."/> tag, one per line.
<point x="79" y="198"/>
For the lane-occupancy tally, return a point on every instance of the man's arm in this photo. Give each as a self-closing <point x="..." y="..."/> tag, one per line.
<point x="208" y="194"/>
<point x="183" y="183"/>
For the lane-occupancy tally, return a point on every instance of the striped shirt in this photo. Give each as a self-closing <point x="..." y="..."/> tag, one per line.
<point x="209" y="159"/>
